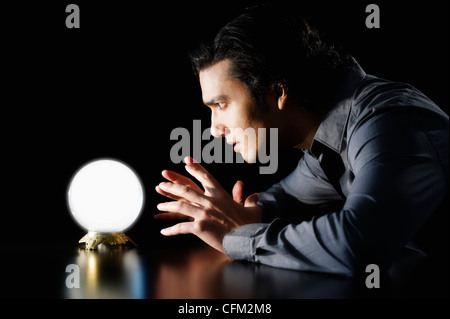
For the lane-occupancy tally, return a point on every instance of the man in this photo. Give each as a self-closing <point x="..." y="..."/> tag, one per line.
<point x="375" y="164"/>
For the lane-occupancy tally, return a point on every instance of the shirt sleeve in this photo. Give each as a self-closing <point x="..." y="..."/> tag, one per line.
<point x="400" y="177"/>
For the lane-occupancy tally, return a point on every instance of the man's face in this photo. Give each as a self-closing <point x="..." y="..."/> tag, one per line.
<point x="234" y="112"/>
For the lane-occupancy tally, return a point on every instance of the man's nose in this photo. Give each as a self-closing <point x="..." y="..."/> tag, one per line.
<point x="216" y="132"/>
<point x="217" y="129"/>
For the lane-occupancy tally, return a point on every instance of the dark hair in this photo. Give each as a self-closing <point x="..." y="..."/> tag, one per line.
<point x="269" y="47"/>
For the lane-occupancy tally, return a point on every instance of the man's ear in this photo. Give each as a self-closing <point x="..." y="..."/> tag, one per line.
<point x="281" y="96"/>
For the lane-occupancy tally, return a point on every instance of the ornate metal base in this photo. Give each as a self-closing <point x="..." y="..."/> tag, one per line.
<point x="92" y="239"/>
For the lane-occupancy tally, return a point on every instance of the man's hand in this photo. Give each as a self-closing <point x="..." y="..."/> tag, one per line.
<point x="211" y="212"/>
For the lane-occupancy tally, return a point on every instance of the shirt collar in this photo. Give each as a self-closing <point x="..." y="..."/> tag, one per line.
<point x="331" y="130"/>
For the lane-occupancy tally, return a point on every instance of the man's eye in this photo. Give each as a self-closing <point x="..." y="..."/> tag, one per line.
<point x="221" y="105"/>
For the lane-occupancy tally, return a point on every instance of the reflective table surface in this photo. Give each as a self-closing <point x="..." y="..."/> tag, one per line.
<point x="190" y="272"/>
<point x="198" y="273"/>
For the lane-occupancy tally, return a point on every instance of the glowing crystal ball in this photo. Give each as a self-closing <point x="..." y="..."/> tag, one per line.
<point x="105" y="196"/>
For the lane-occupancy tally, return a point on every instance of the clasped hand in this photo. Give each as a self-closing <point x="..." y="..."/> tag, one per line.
<point x="211" y="213"/>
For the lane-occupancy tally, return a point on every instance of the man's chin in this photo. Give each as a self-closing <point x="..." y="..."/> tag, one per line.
<point x="248" y="159"/>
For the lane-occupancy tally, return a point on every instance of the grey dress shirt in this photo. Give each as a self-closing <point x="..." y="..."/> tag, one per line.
<point x="376" y="171"/>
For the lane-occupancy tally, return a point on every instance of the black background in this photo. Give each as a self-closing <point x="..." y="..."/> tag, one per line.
<point x="121" y="83"/>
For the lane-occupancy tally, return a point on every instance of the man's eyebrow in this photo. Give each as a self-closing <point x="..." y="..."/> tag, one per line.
<point x="214" y="99"/>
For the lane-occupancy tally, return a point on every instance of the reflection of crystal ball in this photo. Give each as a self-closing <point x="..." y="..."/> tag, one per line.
<point x="105" y="196"/>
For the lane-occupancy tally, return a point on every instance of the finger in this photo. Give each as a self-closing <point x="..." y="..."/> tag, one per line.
<point x="203" y="176"/>
<point x="180" y="207"/>
<point x="251" y="200"/>
<point x="172" y="216"/>
<point x="178" y="229"/>
<point x="160" y="191"/>
<point x="184" y="192"/>
<point x="238" y="192"/>
<point x="180" y="179"/>
<point x="190" y="160"/>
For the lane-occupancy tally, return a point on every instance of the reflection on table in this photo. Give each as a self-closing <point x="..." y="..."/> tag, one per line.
<point x="109" y="272"/>
<point x="195" y="273"/>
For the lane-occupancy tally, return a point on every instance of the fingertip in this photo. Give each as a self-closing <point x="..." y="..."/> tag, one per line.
<point x="165" y="174"/>
<point x="188" y="160"/>
<point x="160" y="191"/>
<point x="238" y="186"/>
<point x="254" y="195"/>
